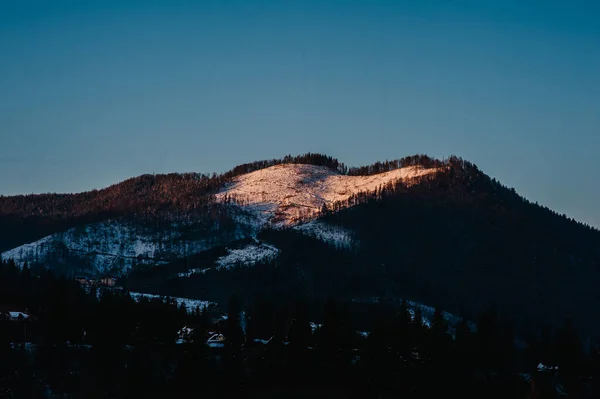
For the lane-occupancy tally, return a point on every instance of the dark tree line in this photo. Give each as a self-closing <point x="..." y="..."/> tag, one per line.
<point x="459" y="235"/>
<point x="128" y="349"/>
<point x="387" y="166"/>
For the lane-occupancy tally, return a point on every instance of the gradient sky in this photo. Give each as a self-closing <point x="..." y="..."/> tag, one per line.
<point x="93" y="92"/>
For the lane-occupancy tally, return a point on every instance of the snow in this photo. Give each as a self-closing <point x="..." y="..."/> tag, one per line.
<point x="428" y="311"/>
<point x="16" y="315"/>
<point x="543" y="367"/>
<point x="193" y="271"/>
<point x="247" y="256"/>
<point x="315" y="326"/>
<point x="335" y="235"/>
<point x="17" y="254"/>
<point x="286" y="194"/>
<point x="190" y="304"/>
<point x="110" y="246"/>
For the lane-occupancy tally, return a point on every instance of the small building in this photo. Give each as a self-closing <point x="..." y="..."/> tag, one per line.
<point x="16" y="314"/>
<point x="108" y="281"/>
<point x="185" y="335"/>
<point x="216" y="341"/>
<point x="85" y="281"/>
<point x="218" y="325"/>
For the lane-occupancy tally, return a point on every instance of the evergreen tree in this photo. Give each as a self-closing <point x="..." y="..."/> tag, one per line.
<point x="234" y="332"/>
<point x="569" y="350"/>
<point x="300" y="333"/>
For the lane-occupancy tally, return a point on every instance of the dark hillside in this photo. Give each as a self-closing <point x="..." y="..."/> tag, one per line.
<point x="464" y="240"/>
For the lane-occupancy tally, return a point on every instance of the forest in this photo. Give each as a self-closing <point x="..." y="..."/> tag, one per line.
<point x="86" y="345"/>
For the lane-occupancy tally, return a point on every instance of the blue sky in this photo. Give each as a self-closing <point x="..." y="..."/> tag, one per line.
<point x="95" y="92"/>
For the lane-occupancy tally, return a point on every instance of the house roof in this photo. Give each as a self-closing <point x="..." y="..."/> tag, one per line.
<point x="216" y="341"/>
<point x="13" y="307"/>
<point x="186" y="330"/>
<point x="216" y="338"/>
<point x="17" y="312"/>
<point x="16" y="315"/>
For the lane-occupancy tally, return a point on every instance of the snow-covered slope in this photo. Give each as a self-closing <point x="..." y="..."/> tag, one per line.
<point x="248" y="255"/>
<point x="286" y="194"/>
<point x="278" y="196"/>
<point x="336" y="235"/>
<point x="114" y="246"/>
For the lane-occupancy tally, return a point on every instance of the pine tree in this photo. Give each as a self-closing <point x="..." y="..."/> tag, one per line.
<point x="569" y="350"/>
<point x="300" y="331"/>
<point x="439" y="325"/>
<point x="234" y="332"/>
<point x="463" y="340"/>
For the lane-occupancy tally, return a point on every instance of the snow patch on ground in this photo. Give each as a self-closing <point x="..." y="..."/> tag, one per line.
<point x="428" y="311"/>
<point x="289" y="193"/>
<point x="247" y="256"/>
<point x="193" y="271"/>
<point x="22" y="252"/>
<point x="320" y="230"/>
<point x="190" y="304"/>
<point x="315" y="326"/>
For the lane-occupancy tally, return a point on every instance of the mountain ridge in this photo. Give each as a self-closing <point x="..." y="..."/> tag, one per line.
<point x="435" y="231"/>
<point x="31" y="217"/>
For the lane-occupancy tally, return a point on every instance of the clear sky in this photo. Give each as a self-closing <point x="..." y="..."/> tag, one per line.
<point x="93" y="92"/>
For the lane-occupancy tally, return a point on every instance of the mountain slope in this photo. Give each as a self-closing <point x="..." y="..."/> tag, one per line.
<point x="439" y="232"/>
<point x="198" y="216"/>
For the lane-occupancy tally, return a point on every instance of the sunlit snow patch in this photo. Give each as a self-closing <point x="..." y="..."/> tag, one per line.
<point x="291" y="193"/>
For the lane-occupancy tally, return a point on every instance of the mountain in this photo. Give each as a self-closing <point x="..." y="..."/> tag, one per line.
<point x="437" y="232"/>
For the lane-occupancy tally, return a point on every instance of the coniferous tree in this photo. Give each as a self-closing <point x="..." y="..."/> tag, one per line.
<point x="300" y="333"/>
<point x="464" y="356"/>
<point x="417" y="328"/>
<point x="487" y="341"/>
<point x="569" y="350"/>
<point x="234" y="332"/>
<point x="403" y="328"/>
